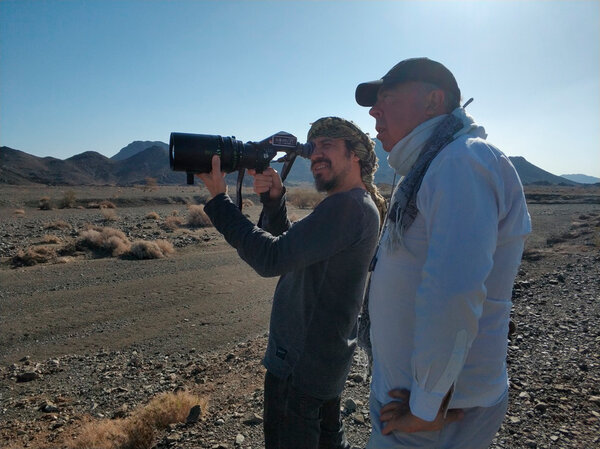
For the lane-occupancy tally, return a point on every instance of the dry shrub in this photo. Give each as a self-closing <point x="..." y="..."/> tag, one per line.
<point x="68" y="200"/>
<point x="197" y="218"/>
<point x="151" y="184"/>
<point x="101" y="205"/>
<point x="174" y="213"/>
<point x="247" y="202"/>
<point x="33" y="255"/>
<point x="152" y="216"/>
<point x="104" y="434"/>
<point x="169" y="408"/>
<point x="144" y="249"/>
<point x="51" y="239"/>
<point x="305" y="199"/>
<point x="44" y="203"/>
<point x="173" y="222"/>
<point x="108" y="214"/>
<point x="165" y="246"/>
<point x="139" y="430"/>
<point x="19" y="212"/>
<point x="105" y="239"/>
<point x="57" y="225"/>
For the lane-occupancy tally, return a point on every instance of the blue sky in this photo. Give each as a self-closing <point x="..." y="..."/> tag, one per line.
<point x="96" y="75"/>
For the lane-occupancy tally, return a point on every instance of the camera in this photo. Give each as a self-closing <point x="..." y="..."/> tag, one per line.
<point x="193" y="153"/>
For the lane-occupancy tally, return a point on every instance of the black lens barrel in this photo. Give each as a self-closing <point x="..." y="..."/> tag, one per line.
<point x="193" y="152"/>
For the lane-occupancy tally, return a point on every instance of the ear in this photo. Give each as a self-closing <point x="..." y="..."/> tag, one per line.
<point x="435" y="103"/>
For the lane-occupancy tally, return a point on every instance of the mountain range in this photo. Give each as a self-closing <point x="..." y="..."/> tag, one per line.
<point x="140" y="160"/>
<point x="582" y="179"/>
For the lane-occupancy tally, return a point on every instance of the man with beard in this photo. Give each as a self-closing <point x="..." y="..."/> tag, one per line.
<point x="440" y="293"/>
<point x="322" y="262"/>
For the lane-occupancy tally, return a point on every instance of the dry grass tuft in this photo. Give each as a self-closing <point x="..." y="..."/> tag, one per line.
<point x="107" y="240"/>
<point x="247" y="202"/>
<point x="101" y="205"/>
<point x="305" y="199"/>
<point x="152" y="216"/>
<point x="197" y="218"/>
<point x="57" y="225"/>
<point x="44" y="203"/>
<point x="105" y="434"/>
<point x="144" y="249"/>
<point x="33" y="255"/>
<point x="51" y="239"/>
<point x="19" y="212"/>
<point x="173" y="222"/>
<point x="138" y="431"/>
<point x="108" y="214"/>
<point x="151" y="184"/>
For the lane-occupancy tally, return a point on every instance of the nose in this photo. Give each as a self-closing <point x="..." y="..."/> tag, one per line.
<point x="375" y="111"/>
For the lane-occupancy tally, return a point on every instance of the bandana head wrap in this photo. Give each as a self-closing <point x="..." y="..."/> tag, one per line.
<point x="360" y="144"/>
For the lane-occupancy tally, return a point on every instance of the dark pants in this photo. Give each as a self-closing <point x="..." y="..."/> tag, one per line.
<point x="296" y="420"/>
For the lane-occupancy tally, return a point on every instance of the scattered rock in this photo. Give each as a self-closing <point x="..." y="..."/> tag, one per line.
<point x="252" y="419"/>
<point x="48" y="407"/>
<point x="194" y="415"/>
<point x="239" y="439"/>
<point x="27" y="376"/>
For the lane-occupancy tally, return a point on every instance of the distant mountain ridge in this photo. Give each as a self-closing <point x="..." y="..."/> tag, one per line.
<point x="89" y="168"/>
<point x="140" y="160"/>
<point x="135" y="147"/>
<point x="582" y="179"/>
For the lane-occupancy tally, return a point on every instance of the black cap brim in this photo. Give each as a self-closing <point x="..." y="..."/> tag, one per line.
<point x="366" y="93"/>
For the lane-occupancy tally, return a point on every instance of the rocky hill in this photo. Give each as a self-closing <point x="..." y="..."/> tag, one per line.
<point x="136" y="147"/>
<point x="89" y="168"/>
<point x="140" y="160"/>
<point x="530" y="174"/>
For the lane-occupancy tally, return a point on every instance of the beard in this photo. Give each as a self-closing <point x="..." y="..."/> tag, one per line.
<point x="323" y="185"/>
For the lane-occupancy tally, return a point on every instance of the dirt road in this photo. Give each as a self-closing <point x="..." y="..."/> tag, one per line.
<point x="194" y="299"/>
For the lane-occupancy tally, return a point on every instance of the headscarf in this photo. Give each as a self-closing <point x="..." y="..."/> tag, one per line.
<point x="360" y="144"/>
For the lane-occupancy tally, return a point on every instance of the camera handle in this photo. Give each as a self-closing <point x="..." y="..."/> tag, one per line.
<point x="264" y="197"/>
<point x="238" y="194"/>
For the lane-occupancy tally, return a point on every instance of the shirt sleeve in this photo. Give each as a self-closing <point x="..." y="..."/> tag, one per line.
<point x="273" y="217"/>
<point x="316" y="237"/>
<point x="459" y="201"/>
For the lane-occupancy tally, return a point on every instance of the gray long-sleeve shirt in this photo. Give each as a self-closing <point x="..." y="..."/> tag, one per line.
<point x="323" y="261"/>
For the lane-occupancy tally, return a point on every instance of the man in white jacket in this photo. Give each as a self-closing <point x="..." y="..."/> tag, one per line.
<point x="440" y="295"/>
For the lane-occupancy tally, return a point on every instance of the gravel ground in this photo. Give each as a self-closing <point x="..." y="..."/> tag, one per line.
<point x="554" y="355"/>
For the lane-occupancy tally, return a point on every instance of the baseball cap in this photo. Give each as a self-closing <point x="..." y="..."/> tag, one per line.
<point x="413" y="69"/>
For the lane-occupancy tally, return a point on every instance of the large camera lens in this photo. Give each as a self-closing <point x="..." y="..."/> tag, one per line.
<point x="193" y="152"/>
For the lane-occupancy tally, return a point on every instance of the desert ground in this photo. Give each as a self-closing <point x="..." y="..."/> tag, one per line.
<point x="88" y="337"/>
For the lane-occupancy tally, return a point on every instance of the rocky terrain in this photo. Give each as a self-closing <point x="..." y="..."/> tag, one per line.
<point x="92" y="338"/>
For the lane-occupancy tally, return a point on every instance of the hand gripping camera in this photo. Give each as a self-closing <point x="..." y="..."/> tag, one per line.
<point x="192" y="153"/>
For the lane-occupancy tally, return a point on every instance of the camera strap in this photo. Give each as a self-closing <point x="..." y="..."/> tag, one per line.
<point x="238" y="196"/>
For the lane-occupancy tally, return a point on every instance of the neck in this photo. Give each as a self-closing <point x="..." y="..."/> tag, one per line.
<point x="347" y="186"/>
